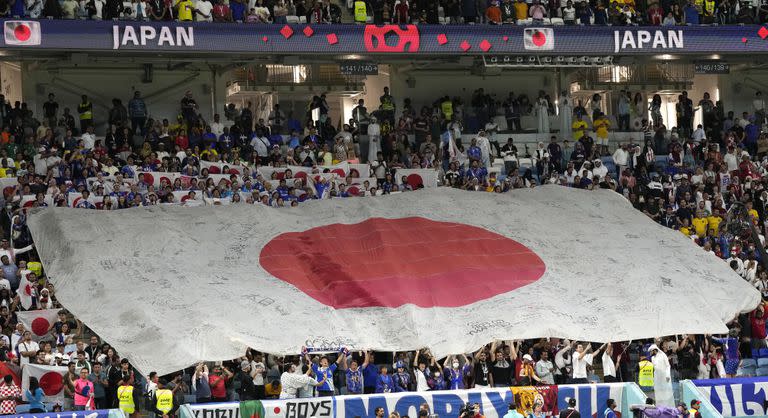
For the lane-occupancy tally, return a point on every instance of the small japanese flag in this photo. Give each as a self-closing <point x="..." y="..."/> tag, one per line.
<point x="539" y="39"/>
<point x="22" y="32"/>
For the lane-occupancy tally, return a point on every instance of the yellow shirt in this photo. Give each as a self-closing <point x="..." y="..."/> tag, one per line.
<point x="714" y="224"/>
<point x="686" y="231"/>
<point x="601" y="127"/>
<point x="578" y="129"/>
<point x="185" y="10"/>
<point x="447" y="108"/>
<point x="521" y="10"/>
<point x="754" y="215"/>
<point x="700" y="226"/>
<point x="2" y="173"/>
<point x="35" y="267"/>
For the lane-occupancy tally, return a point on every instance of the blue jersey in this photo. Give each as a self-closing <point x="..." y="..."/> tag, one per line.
<point x="456" y="376"/>
<point x="327" y="373"/>
<point x="385" y="384"/>
<point x="370" y="376"/>
<point x="354" y="382"/>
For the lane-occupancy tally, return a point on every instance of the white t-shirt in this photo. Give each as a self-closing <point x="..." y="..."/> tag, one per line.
<point x="27" y="346"/>
<point x="217" y="128"/>
<point x="580" y="366"/>
<point x="609" y="368"/>
<point x="259" y="368"/>
<point x="421" y="381"/>
<point x="205" y="7"/>
<point x="5" y="284"/>
<point x="569" y="13"/>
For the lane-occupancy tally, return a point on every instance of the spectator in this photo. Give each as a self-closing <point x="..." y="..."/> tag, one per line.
<point x="10" y="396"/>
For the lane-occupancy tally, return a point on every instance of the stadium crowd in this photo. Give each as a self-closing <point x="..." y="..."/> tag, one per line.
<point x="495" y="12"/>
<point x="683" y="178"/>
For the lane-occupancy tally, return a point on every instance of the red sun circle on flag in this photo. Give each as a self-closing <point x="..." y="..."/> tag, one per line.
<point x="539" y="38"/>
<point x="277" y="410"/>
<point x="51" y="383"/>
<point x="22" y="33"/>
<point x="40" y="326"/>
<point x="392" y="262"/>
<point x="414" y="180"/>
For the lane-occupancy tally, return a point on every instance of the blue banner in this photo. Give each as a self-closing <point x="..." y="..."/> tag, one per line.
<point x="101" y="413"/>
<point x="227" y="38"/>
<point x="736" y="397"/>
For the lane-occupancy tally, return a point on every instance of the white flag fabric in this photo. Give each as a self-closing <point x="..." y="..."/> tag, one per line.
<point x="426" y="177"/>
<point x="440" y="268"/>
<point x="26" y="291"/>
<point x="38" y="322"/>
<point x="50" y="379"/>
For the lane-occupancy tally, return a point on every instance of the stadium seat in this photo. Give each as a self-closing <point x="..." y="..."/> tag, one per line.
<point x="557" y="21"/>
<point x="755" y="353"/>
<point x="546" y="21"/>
<point x="748" y="363"/>
<point x="302" y="20"/>
<point x="524" y="21"/>
<point x="443" y="20"/>
<point x="294" y="20"/>
<point x="762" y="362"/>
<point x="762" y="371"/>
<point x="763" y="352"/>
<point x="746" y="371"/>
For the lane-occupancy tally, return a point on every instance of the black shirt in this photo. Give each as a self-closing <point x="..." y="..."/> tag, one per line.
<point x="570" y="413"/>
<point x="481" y="372"/>
<point x="50" y="108"/>
<point x="501" y="372"/>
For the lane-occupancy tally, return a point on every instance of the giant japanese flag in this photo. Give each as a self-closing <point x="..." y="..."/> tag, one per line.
<point x="439" y="268"/>
<point x="39" y="322"/>
<point x="50" y="379"/>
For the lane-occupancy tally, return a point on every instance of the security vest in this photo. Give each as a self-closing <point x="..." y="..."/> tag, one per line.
<point x="125" y="399"/>
<point x="447" y="109"/>
<point x="709" y="7"/>
<point x="85" y="110"/>
<point x="645" y="376"/>
<point x="164" y="400"/>
<point x="692" y="412"/>
<point x="361" y="13"/>
<point x="387" y="104"/>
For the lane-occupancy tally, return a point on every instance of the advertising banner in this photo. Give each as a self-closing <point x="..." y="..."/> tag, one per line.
<point x="736" y="397"/>
<point x="386" y="39"/>
<point x="102" y="413"/>
<point x="494" y="403"/>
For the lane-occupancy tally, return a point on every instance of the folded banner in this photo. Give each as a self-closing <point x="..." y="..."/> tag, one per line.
<point x="736" y="397"/>
<point x="575" y="264"/>
<point x="99" y="413"/>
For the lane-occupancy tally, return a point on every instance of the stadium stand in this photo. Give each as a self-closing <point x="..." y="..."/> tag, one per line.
<point x="691" y="180"/>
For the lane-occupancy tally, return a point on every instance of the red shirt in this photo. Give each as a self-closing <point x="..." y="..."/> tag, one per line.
<point x="9" y="407"/>
<point x="182" y="141"/>
<point x="221" y="11"/>
<point x="218" y="387"/>
<point x="758" y="326"/>
<point x="655" y="15"/>
<point x="401" y="12"/>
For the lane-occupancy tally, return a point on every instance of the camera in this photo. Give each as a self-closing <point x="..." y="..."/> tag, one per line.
<point x="467" y="411"/>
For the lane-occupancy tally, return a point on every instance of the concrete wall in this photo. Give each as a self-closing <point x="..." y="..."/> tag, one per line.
<point x="10" y="81"/>
<point x="430" y="84"/>
<point x="103" y="82"/>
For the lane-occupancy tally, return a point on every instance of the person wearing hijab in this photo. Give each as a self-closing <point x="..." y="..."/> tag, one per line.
<point x="662" y="378"/>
